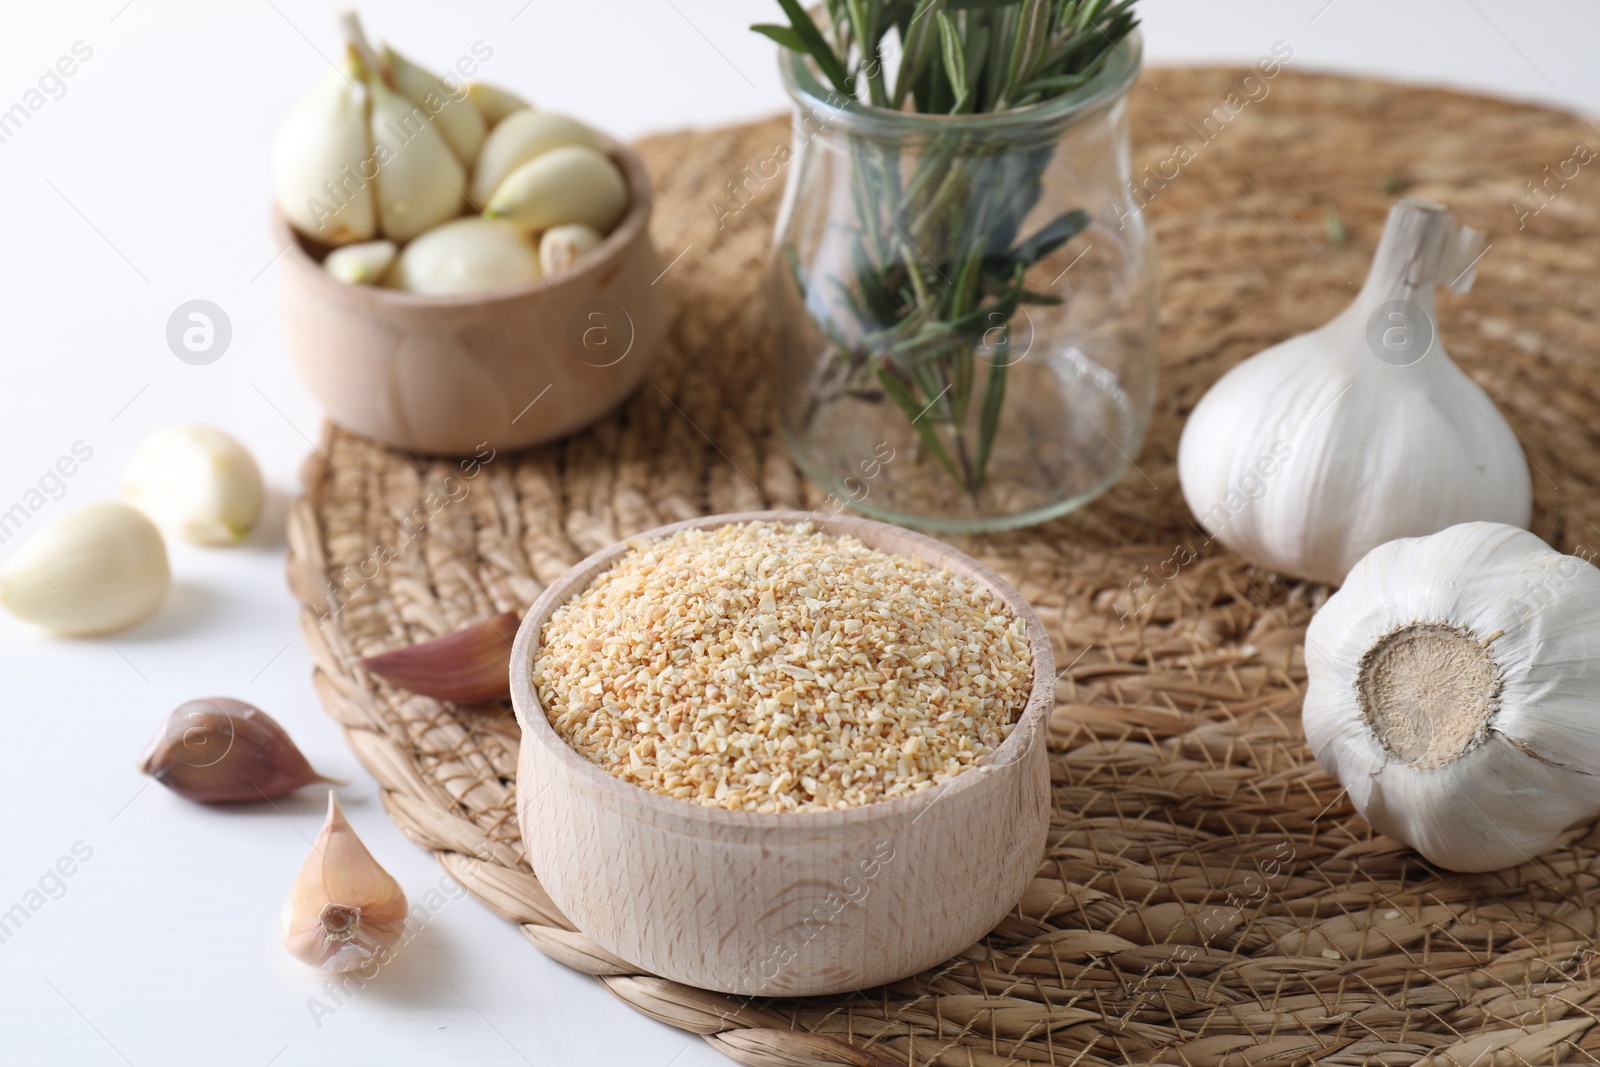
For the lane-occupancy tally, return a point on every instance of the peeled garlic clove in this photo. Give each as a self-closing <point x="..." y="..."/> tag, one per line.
<point x="318" y="159"/>
<point x="520" y="137"/>
<point x="420" y="180"/>
<point x="221" y="750"/>
<point x="568" y="184"/>
<point x="96" y="570"/>
<point x="468" y="255"/>
<point x="362" y="264"/>
<point x="493" y="102"/>
<point x="196" y="482"/>
<point x="344" y="911"/>
<point x="560" y="246"/>
<point x="1305" y="457"/>
<point x="461" y="123"/>
<point x="470" y="666"/>
<point x="1453" y="687"/>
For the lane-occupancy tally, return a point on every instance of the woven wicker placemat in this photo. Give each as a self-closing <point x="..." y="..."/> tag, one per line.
<point x="1208" y="896"/>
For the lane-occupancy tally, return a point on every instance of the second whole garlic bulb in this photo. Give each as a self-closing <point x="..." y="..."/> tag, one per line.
<point x="1305" y="457"/>
<point x="1453" y="688"/>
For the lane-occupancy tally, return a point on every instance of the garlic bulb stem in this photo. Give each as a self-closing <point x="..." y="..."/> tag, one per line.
<point x="1308" y="455"/>
<point x="1422" y="247"/>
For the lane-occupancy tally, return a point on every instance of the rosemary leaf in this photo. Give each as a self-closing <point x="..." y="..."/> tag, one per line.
<point x="828" y="60"/>
<point x="784" y="35"/>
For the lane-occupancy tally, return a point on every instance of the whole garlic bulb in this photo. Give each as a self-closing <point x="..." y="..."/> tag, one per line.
<point x="93" y="571"/>
<point x="1305" y="457"/>
<point x="196" y="482"/>
<point x="1453" y="688"/>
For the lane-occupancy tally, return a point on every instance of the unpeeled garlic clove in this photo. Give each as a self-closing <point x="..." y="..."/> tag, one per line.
<point x="465" y="255"/>
<point x="96" y="570"/>
<point x="560" y="246"/>
<point x="196" y="482"/>
<point x="519" y="137"/>
<point x="317" y="159"/>
<point x="461" y="123"/>
<point x="221" y="750"/>
<point x="420" y="180"/>
<point x="573" y="183"/>
<point x="362" y="264"/>
<point x="494" y="103"/>
<point x="470" y="666"/>
<point x="345" y="911"/>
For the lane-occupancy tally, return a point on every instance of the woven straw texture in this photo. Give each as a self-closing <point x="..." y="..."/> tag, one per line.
<point x="1208" y="896"/>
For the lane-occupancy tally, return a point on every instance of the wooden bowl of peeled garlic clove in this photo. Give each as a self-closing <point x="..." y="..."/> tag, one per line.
<point x="445" y="373"/>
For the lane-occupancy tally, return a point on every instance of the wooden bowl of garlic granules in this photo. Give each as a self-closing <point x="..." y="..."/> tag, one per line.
<point x="779" y="753"/>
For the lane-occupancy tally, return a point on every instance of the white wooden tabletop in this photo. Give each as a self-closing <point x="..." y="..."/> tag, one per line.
<point x="137" y="928"/>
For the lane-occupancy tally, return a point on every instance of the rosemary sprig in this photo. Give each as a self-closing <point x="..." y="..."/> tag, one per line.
<point x="938" y="259"/>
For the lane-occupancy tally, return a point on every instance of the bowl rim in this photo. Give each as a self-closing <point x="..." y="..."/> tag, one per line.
<point x="634" y="224"/>
<point x="648" y="806"/>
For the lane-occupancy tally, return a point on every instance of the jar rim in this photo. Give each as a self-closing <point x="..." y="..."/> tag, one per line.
<point x="806" y="88"/>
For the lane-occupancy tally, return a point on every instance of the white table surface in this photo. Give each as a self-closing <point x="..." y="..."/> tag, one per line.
<point x="145" y="185"/>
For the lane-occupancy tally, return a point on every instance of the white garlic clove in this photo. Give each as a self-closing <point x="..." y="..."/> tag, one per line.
<point x="196" y="482"/>
<point x="1453" y="687"/>
<point x="361" y="264"/>
<point x="520" y="137"/>
<point x="1305" y="457"/>
<point x="564" y="185"/>
<point x="467" y="255"/>
<point x="344" y="911"/>
<point x="493" y="102"/>
<point x="96" y="570"/>
<point x="560" y="246"/>
<point x="420" y="181"/>
<point x="317" y="161"/>
<point x="461" y="124"/>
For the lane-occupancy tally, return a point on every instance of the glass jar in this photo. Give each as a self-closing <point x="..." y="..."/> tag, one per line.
<point x="965" y="305"/>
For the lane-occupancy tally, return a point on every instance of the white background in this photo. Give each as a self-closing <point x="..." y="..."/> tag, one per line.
<point x="145" y="185"/>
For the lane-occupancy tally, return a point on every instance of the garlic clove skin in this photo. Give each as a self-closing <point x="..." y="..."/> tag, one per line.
<point x="93" y="571"/>
<point x="470" y="666"/>
<point x="560" y="246"/>
<point x="520" y="137"/>
<point x="218" y="750"/>
<point x="494" y="103"/>
<point x="466" y="255"/>
<point x="570" y="184"/>
<point x="361" y="264"/>
<point x="1453" y="687"/>
<point x="195" y="482"/>
<point x="461" y="124"/>
<point x="419" y="180"/>
<point x="317" y="159"/>
<point x="344" y="911"/>
<point x="1305" y="457"/>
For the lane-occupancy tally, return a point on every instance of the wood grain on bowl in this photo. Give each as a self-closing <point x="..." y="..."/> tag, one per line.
<point x="784" y="904"/>
<point x="444" y="374"/>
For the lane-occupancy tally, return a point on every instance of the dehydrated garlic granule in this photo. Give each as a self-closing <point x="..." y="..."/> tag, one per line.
<point x="774" y="668"/>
